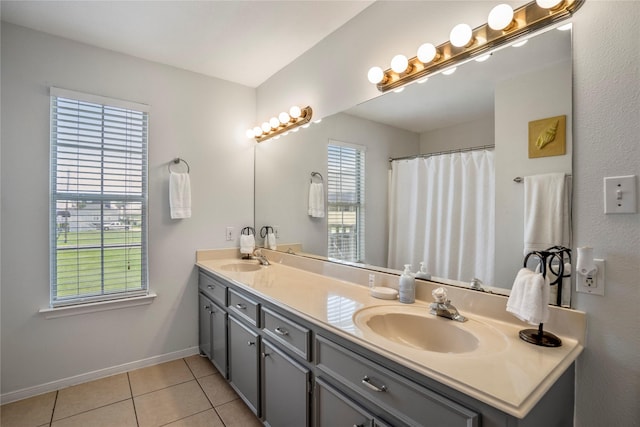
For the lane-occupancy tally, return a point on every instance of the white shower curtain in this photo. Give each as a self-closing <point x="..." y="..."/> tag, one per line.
<point x="441" y="211"/>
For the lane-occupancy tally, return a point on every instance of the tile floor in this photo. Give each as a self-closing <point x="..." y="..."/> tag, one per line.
<point x="187" y="392"/>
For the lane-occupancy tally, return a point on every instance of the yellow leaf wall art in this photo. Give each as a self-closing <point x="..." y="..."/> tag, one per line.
<point x="547" y="137"/>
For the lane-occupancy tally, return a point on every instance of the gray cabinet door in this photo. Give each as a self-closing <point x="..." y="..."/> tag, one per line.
<point x="219" y="339"/>
<point x="333" y="409"/>
<point x="244" y="363"/>
<point x="285" y="388"/>
<point x="204" y="314"/>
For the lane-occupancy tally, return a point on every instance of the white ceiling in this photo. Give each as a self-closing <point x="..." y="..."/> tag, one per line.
<point x="240" y="41"/>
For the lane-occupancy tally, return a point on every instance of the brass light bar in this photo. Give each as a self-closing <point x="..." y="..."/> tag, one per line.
<point x="305" y="117"/>
<point x="526" y="19"/>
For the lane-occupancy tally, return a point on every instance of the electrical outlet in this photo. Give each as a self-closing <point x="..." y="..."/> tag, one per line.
<point x="229" y="234"/>
<point x="592" y="284"/>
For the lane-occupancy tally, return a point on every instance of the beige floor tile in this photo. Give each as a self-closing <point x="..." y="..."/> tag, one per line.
<point x="30" y="412"/>
<point x="160" y="376"/>
<point x="91" y="395"/>
<point x="204" y="419"/>
<point x="170" y="404"/>
<point x="237" y="414"/>
<point x="200" y="366"/>
<point x="217" y="389"/>
<point x="119" y="414"/>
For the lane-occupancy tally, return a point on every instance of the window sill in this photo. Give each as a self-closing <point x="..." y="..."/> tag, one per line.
<point x="54" y="313"/>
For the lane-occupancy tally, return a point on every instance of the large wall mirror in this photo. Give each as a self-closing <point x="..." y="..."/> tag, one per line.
<point x="482" y="104"/>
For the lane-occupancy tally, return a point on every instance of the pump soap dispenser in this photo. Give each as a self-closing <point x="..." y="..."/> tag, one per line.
<point x="407" y="286"/>
<point x="423" y="273"/>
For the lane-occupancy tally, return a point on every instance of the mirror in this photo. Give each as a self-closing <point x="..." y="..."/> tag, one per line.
<point x="488" y="103"/>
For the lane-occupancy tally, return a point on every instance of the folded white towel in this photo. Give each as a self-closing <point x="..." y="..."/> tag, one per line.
<point x="247" y="243"/>
<point x="544" y="211"/>
<point x="529" y="297"/>
<point x="271" y="241"/>
<point x="316" y="200"/>
<point x="179" y="195"/>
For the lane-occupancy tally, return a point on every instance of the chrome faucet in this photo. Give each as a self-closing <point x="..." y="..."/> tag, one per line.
<point x="257" y="254"/>
<point x="442" y="306"/>
<point x="476" y="285"/>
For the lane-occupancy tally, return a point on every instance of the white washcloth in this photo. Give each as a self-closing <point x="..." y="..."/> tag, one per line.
<point x="271" y="241"/>
<point x="247" y="243"/>
<point x="529" y="297"/>
<point x="179" y="195"/>
<point x="544" y="211"/>
<point x="316" y="200"/>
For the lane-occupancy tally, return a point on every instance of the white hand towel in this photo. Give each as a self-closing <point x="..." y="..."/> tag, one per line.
<point x="316" y="200"/>
<point x="247" y="243"/>
<point x="565" y="284"/>
<point x="529" y="297"/>
<point x="544" y="211"/>
<point x="179" y="195"/>
<point x="271" y="241"/>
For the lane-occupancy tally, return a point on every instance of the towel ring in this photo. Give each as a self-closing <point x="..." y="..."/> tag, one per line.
<point x="316" y="174"/>
<point x="249" y="231"/>
<point x="266" y="230"/>
<point x="176" y="161"/>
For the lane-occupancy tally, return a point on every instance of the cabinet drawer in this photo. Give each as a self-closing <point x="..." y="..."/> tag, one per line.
<point x="213" y="288"/>
<point x="293" y="336"/>
<point x="405" y="400"/>
<point x="246" y="308"/>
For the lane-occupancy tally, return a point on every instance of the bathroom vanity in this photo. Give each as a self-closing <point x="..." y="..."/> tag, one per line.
<point x="305" y="349"/>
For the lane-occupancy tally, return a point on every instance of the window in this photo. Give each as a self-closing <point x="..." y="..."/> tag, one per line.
<point x="345" y="164"/>
<point x="98" y="204"/>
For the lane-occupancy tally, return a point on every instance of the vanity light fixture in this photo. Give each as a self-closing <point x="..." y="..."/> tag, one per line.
<point x="520" y="43"/>
<point x="483" y="57"/>
<point x="449" y="71"/>
<point x="282" y="124"/>
<point x="504" y="26"/>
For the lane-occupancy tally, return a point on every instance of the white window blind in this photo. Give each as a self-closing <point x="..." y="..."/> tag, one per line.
<point x="346" y="212"/>
<point x="98" y="207"/>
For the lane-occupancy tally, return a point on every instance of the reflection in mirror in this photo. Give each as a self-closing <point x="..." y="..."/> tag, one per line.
<point x="481" y="104"/>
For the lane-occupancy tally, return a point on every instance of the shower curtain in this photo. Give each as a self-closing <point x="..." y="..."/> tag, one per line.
<point x="441" y="211"/>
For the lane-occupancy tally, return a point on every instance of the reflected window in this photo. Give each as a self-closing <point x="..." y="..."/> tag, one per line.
<point x="345" y="207"/>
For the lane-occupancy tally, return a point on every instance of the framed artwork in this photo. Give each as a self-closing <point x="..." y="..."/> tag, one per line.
<point x="547" y="137"/>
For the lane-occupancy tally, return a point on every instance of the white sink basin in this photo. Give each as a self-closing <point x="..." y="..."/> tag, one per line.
<point x="412" y="327"/>
<point x="241" y="267"/>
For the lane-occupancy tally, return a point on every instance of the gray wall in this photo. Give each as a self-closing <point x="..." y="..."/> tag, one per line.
<point x="197" y="118"/>
<point x="465" y="135"/>
<point x="606" y="114"/>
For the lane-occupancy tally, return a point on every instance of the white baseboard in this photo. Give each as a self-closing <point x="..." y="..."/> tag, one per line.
<point x="95" y="375"/>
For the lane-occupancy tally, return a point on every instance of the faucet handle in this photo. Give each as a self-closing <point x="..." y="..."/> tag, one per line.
<point x="440" y="295"/>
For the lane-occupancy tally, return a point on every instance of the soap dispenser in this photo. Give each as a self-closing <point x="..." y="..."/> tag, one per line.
<point x="423" y="273"/>
<point x="407" y="286"/>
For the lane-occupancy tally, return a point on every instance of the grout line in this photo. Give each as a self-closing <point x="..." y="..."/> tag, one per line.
<point x="133" y="402"/>
<point x="53" y="410"/>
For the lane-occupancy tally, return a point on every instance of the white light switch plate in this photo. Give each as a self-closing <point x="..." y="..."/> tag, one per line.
<point x="594" y="286"/>
<point x="620" y="194"/>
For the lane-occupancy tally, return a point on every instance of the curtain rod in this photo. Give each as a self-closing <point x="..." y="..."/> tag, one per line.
<point x="439" y="153"/>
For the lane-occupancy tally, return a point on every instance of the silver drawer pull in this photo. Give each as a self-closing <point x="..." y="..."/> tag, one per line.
<point x="240" y="306"/>
<point x="367" y="381"/>
<point x="250" y="343"/>
<point x="206" y="307"/>
<point x="210" y="286"/>
<point x="265" y="355"/>
<point x="281" y="331"/>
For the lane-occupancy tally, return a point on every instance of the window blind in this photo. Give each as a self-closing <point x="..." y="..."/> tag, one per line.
<point x="98" y="204"/>
<point x="345" y="210"/>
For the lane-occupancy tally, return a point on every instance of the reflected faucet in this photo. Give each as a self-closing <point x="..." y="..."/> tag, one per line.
<point x="442" y="306"/>
<point x="257" y="254"/>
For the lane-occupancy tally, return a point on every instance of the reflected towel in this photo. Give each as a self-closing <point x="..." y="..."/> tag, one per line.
<point x="271" y="241"/>
<point x="179" y="195"/>
<point x="529" y="297"/>
<point x="247" y="243"/>
<point x="545" y="215"/>
<point x="316" y="200"/>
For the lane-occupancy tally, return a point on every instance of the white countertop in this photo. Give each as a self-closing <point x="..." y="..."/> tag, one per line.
<point x="511" y="376"/>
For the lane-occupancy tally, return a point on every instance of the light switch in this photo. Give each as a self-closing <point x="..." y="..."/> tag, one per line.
<point x="620" y="194"/>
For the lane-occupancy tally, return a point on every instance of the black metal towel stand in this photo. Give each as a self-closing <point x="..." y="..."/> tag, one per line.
<point x="560" y="254"/>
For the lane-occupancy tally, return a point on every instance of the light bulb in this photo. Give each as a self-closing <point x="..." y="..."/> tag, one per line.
<point x="257" y="131"/>
<point x="266" y="127"/>
<point x="565" y="27"/>
<point x="399" y="64"/>
<point x="520" y="43"/>
<point x="318" y="121"/>
<point x="250" y="133"/>
<point x="427" y="53"/>
<point x="295" y="112"/>
<point x="400" y="89"/>
<point x="500" y="17"/>
<point x="295" y="130"/>
<point x="449" y="71"/>
<point x="483" y="57"/>
<point x="284" y="118"/>
<point x="423" y="80"/>
<point x="461" y="35"/>
<point x="548" y="4"/>
<point x="375" y="75"/>
<point x="274" y="122"/>
<point x="306" y="125"/>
